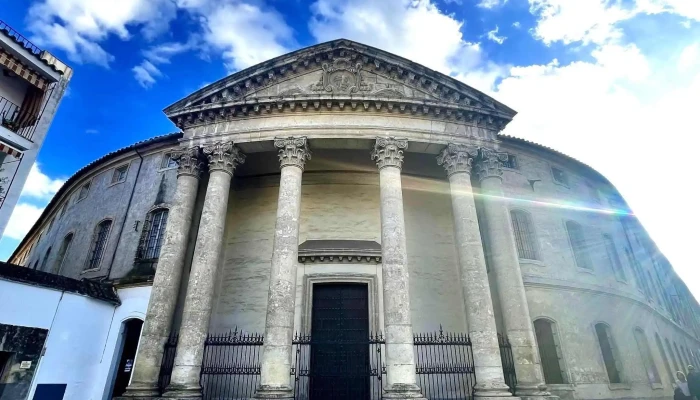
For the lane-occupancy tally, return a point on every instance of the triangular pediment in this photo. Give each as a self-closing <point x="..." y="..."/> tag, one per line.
<point x="338" y="70"/>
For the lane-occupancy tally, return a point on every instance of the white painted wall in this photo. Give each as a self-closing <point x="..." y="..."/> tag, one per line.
<point x="83" y="343"/>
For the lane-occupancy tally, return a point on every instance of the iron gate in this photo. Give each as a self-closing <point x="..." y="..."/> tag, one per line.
<point x="507" y="362"/>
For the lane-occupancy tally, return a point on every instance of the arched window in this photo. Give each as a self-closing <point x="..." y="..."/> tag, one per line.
<point x="578" y="244"/>
<point x="99" y="242"/>
<point x="524" y="235"/>
<point x="65" y="245"/>
<point x="152" y="234"/>
<point x="46" y="259"/>
<point x="614" y="258"/>
<point x="671" y="375"/>
<point x="610" y="357"/>
<point x="645" y="352"/>
<point x="680" y="359"/>
<point x="36" y="264"/>
<point x="550" y="351"/>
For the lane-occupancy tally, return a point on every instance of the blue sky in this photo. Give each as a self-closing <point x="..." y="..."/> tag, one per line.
<point x="615" y="84"/>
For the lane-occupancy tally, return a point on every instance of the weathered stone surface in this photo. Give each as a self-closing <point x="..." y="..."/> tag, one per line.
<point x="166" y="284"/>
<point x="457" y="161"/>
<point x="199" y="300"/>
<point x="511" y="290"/>
<point x="279" y="322"/>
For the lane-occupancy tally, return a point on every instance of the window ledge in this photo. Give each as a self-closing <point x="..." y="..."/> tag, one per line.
<point x="561" y="184"/>
<point x="561" y="387"/>
<point x="531" y="262"/>
<point x="89" y="270"/>
<point x="619" y="386"/>
<point x="116" y="183"/>
<point x="586" y="271"/>
<point x="657" y="386"/>
<point x="166" y="169"/>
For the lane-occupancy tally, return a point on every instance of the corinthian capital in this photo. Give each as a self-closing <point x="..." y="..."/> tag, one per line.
<point x="188" y="162"/>
<point x="223" y="157"/>
<point x="293" y="151"/>
<point x="489" y="164"/>
<point x="457" y="158"/>
<point x="388" y="152"/>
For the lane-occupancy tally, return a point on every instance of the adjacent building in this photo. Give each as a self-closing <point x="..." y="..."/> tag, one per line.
<point x="32" y="84"/>
<point x="340" y="222"/>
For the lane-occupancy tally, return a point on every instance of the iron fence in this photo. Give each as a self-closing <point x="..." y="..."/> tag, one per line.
<point x="445" y="365"/>
<point x="231" y="365"/>
<point x="507" y="362"/>
<point x="356" y="372"/>
<point x="166" y="366"/>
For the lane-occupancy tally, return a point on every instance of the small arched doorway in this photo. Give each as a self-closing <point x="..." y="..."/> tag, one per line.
<point x="129" y="339"/>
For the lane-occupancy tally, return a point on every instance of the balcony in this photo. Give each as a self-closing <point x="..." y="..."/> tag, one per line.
<point x="24" y="42"/>
<point x="14" y="120"/>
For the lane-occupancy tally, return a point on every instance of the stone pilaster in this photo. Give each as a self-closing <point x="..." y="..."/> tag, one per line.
<point x="400" y="363"/>
<point x="223" y="159"/>
<point x="457" y="161"/>
<point x="166" y="283"/>
<point x="279" y="324"/>
<point x="505" y="264"/>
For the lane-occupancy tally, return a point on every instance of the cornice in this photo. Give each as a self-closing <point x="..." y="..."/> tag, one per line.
<point x="235" y="110"/>
<point x="340" y="251"/>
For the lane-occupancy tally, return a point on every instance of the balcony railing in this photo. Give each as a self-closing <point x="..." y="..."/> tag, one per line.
<point x="10" y="119"/>
<point x="29" y="46"/>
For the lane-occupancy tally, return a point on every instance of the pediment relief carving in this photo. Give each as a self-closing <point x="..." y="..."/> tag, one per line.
<point x="340" y="71"/>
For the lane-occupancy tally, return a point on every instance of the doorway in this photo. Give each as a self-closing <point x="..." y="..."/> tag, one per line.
<point x="340" y="360"/>
<point x="130" y="339"/>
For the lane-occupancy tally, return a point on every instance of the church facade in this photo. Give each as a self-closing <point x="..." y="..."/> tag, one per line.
<point x="340" y="190"/>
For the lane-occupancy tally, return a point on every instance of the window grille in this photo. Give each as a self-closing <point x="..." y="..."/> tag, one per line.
<point x="550" y="352"/>
<point x="578" y="243"/>
<point x="560" y="176"/>
<point x="99" y="243"/>
<point x="84" y="191"/>
<point x="614" y="258"/>
<point x="152" y="235"/>
<point x="645" y="352"/>
<point x="610" y="357"/>
<point x="524" y="235"/>
<point x="119" y="174"/>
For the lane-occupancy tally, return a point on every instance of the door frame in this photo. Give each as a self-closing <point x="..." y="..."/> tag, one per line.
<point x="308" y="289"/>
<point x="117" y="356"/>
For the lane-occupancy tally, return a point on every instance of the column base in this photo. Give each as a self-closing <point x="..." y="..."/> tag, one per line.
<point x="403" y="391"/>
<point x="534" y="392"/>
<point x="274" y="392"/>
<point x="183" y="392"/>
<point x="137" y="391"/>
<point x="493" y="391"/>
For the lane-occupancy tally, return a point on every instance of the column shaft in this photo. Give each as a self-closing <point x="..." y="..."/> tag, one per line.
<point x="166" y="283"/>
<point x="511" y="290"/>
<point x="279" y="323"/>
<point x="457" y="161"/>
<point x="184" y="381"/>
<point x="400" y="362"/>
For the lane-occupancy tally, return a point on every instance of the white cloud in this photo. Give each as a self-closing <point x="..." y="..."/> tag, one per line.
<point x="489" y="4"/>
<point x="40" y="186"/>
<point x="689" y="58"/>
<point x="493" y="35"/>
<point x="516" y="24"/>
<point x="146" y="74"/>
<point x="391" y="26"/>
<point x="597" y="21"/>
<point x="22" y="219"/>
<point x="77" y="26"/>
<point x="92" y="131"/>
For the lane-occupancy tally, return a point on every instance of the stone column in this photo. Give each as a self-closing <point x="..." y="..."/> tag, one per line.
<point x="505" y="264"/>
<point x="400" y="363"/>
<point x="223" y="159"/>
<point x="457" y="161"/>
<point x="279" y="323"/>
<point x="166" y="283"/>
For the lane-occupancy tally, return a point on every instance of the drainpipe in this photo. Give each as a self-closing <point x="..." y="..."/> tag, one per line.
<point x="126" y="214"/>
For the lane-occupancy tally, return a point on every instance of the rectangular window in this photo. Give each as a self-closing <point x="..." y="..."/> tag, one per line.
<point x="84" y="191"/>
<point x="560" y="176"/>
<point x="119" y="174"/>
<point x="167" y="162"/>
<point x="62" y="212"/>
<point x="512" y="162"/>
